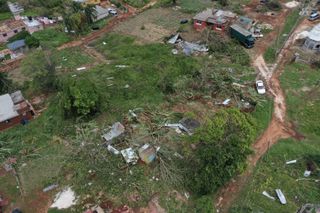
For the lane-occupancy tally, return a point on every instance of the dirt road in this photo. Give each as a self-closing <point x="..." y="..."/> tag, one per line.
<point x="278" y="128"/>
<point x="111" y="24"/>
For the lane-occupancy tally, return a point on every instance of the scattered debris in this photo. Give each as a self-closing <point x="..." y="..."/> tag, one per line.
<point x="51" y="187"/>
<point x="130" y="156"/>
<point x="147" y="153"/>
<point x="64" y="199"/>
<point x="95" y="209"/>
<point x="8" y="164"/>
<point x="226" y="102"/>
<point x="187" y="124"/>
<point x="174" y="51"/>
<point x="116" y="130"/>
<point x="268" y="195"/>
<point x="175" y="39"/>
<point x="281" y="197"/>
<point x="291" y="162"/>
<point x="189" y="48"/>
<point x="309" y="208"/>
<point x="113" y="150"/>
<point x="307" y="173"/>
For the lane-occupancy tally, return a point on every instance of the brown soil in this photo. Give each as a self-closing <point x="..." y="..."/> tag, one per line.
<point x="111" y="24"/>
<point x="278" y="128"/>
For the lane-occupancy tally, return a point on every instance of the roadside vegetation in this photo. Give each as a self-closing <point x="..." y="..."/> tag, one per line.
<point x="272" y="51"/>
<point x="301" y="85"/>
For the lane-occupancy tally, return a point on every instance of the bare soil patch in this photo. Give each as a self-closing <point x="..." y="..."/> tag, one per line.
<point x="152" y="25"/>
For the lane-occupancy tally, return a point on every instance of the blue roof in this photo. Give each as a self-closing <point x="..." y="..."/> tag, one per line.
<point x="16" y="44"/>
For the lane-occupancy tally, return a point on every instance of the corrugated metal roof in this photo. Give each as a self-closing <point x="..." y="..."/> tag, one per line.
<point x="16" y="44"/>
<point x="7" y="110"/>
<point x="314" y="34"/>
<point x="240" y="30"/>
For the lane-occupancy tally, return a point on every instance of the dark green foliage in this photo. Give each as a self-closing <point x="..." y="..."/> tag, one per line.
<point x="274" y="5"/>
<point x="21" y="35"/>
<point x="77" y="17"/>
<point x="223" y="147"/>
<point x="204" y="204"/>
<point x="32" y="42"/>
<point x="3" y="6"/>
<point x="79" y="97"/>
<point x="5" y="83"/>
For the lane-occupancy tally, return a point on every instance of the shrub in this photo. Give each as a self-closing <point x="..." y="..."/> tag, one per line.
<point x="79" y="97"/>
<point x="223" y="146"/>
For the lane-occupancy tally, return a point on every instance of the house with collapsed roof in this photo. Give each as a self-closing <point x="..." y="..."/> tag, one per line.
<point x="10" y="28"/>
<point x="312" y="41"/>
<point x="214" y="19"/>
<point x="14" y="110"/>
<point x="16" y="9"/>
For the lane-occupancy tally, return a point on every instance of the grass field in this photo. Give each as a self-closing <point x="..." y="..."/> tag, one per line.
<point x="301" y="86"/>
<point x="5" y="16"/>
<point x="52" y="37"/>
<point x="149" y="77"/>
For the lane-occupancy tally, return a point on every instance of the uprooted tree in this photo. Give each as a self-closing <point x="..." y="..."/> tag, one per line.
<point x="223" y="145"/>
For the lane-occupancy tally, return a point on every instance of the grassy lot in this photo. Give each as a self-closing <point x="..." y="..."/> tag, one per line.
<point x="271" y="53"/>
<point x="5" y="16"/>
<point x="150" y="77"/>
<point x="72" y="58"/>
<point x="52" y="37"/>
<point x="301" y="86"/>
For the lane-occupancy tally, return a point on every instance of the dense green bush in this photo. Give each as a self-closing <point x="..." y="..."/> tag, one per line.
<point x="223" y="146"/>
<point x="79" y="97"/>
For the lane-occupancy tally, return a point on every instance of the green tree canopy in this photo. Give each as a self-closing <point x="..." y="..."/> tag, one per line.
<point x="223" y="147"/>
<point x="79" y="97"/>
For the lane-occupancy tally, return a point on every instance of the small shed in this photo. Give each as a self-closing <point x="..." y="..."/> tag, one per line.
<point x="18" y="46"/>
<point x="313" y="39"/>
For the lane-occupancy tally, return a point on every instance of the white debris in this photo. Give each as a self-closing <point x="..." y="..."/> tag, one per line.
<point x="130" y="156"/>
<point x="116" y="130"/>
<point x="292" y="4"/>
<point x="307" y="173"/>
<point x="121" y="66"/>
<point x="174" y="51"/>
<point x="104" y="43"/>
<point x="226" y="102"/>
<point x="81" y="68"/>
<point x="281" y="196"/>
<point x="51" y="187"/>
<point x="291" y="162"/>
<point x="113" y="150"/>
<point x="268" y="195"/>
<point x="64" y="199"/>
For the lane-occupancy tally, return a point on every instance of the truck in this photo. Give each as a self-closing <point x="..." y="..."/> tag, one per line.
<point x="242" y="35"/>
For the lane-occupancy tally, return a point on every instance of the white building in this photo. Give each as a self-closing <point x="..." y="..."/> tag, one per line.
<point x="32" y="25"/>
<point x="313" y="39"/>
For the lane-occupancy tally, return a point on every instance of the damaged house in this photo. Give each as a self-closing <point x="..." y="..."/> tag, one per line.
<point x="215" y="19"/>
<point x="14" y="110"/>
<point x="313" y="39"/>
